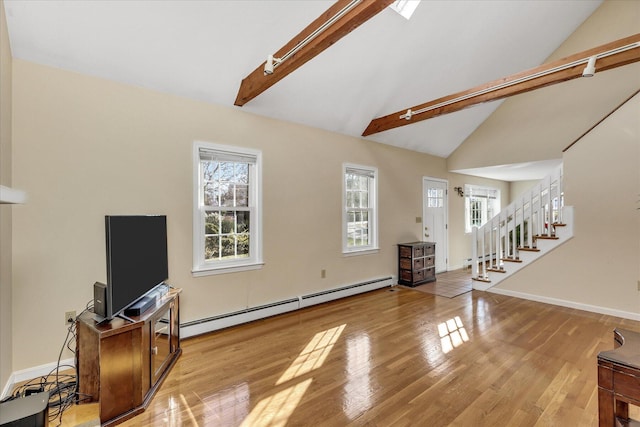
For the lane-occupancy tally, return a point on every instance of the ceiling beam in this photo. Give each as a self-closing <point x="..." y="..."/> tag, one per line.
<point x="257" y="82"/>
<point x="547" y="74"/>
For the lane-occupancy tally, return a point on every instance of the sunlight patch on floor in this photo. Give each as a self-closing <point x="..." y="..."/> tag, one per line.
<point x="313" y="355"/>
<point x="275" y="410"/>
<point x="452" y="334"/>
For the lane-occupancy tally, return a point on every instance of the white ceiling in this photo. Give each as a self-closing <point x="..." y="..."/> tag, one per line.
<point x="203" y="49"/>
<point x="529" y="171"/>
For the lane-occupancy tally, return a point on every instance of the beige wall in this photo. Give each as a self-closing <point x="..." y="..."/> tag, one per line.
<point x="85" y="147"/>
<point x="599" y="266"/>
<point x="5" y="210"/>
<point x="519" y="187"/>
<point x="538" y="125"/>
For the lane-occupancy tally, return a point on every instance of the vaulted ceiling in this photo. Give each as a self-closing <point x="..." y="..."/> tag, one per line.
<point x="203" y="49"/>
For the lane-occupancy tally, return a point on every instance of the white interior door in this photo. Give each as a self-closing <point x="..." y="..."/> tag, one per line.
<point x="434" y="218"/>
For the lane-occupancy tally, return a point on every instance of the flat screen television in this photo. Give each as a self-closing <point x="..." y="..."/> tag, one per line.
<point x="136" y="259"/>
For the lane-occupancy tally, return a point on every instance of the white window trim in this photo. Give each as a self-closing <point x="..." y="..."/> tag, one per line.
<point x="373" y="247"/>
<point x="200" y="267"/>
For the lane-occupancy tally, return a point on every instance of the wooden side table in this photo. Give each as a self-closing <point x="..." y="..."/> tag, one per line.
<point x="619" y="379"/>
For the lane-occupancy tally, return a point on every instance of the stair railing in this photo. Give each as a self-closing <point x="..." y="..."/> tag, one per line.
<point x="531" y="215"/>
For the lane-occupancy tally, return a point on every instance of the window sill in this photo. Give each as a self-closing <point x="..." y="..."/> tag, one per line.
<point x="212" y="271"/>
<point x="360" y="252"/>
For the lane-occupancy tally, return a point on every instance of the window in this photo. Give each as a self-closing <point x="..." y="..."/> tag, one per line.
<point x="480" y="205"/>
<point x="435" y="197"/>
<point x="227" y="217"/>
<point x="359" y="220"/>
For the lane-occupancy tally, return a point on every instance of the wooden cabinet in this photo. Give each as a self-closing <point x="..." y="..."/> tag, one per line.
<point x="121" y="364"/>
<point x="416" y="263"/>
<point x="619" y="380"/>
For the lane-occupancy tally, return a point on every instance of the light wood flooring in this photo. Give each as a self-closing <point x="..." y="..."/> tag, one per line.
<point x="391" y="357"/>
<point x="450" y="284"/>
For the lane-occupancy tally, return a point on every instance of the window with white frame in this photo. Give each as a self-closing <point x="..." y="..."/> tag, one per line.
<point x="227" y="217"/>
<point x="435" y="197"/>
<point x="480" y="205"/>
<point x="359" y="218"/>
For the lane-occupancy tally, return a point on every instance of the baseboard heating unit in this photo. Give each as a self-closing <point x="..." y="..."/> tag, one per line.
<point x="239" y="317"/>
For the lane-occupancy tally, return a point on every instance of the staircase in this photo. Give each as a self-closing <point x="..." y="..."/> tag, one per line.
<point x="529" y="228"/>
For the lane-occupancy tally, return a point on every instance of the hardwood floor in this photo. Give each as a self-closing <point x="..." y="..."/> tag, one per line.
<point x="392" y="357"/>
<point x="450" y="284"/>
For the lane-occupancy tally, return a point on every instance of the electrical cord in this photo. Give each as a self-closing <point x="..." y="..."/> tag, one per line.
<point x="62" y="387"/>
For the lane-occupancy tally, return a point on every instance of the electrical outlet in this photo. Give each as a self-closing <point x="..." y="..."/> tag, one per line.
<point x="323" y="273"/>
<point x="69" y="317"/>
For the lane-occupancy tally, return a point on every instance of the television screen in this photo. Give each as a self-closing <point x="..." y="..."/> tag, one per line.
<point x="136" y="258"/>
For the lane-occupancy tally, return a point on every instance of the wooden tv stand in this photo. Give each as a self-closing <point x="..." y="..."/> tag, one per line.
<point x="121" y="364"/>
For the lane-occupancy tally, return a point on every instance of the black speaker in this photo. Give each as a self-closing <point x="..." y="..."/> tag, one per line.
<point x="100" y="299"/>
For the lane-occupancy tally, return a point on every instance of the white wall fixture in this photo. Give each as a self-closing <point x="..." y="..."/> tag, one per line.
<point x="590" y="69"/>
<point x="11" y="195"/>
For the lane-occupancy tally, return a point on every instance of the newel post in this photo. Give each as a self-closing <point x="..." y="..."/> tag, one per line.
<point x="474" y="251"/>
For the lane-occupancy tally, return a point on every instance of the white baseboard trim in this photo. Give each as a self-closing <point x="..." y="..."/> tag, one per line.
<point x="8" y="387"/>
<point x="34" y="372"/>
<point x="566" y="303"/>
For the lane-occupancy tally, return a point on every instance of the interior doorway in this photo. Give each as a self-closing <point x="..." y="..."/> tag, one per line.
<point x="434" y="218"/>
